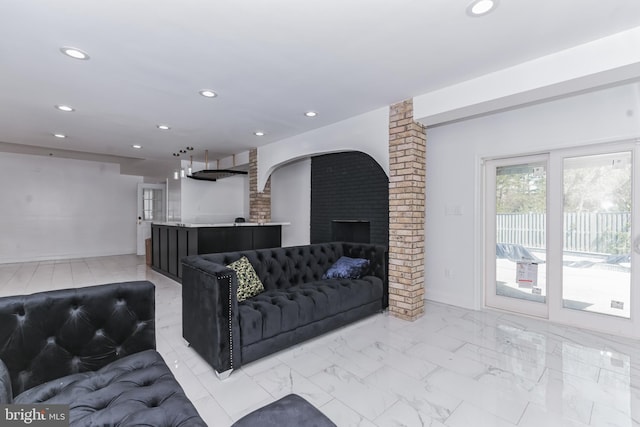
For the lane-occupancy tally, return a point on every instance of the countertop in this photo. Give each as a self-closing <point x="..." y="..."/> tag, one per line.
<point x="224" y="224"/>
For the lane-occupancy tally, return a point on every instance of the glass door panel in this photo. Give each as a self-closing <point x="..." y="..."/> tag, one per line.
<point x="521" y="204"/>
<point x="516" y="213"/>
<point x="596" y="261"/>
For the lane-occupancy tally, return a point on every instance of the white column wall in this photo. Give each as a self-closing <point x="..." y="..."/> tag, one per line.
<point x="291" y="201"/>
<point x="54" y="208"/>
<point x="454" y="174"/>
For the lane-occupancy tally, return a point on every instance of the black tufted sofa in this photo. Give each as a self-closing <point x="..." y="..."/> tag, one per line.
<point x="93" y="349"/>
<point x="295" y="306"/>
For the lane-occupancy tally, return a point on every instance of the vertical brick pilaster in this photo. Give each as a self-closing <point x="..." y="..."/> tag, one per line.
<point x="259" y="202"/>
<point x="407" y="167"/>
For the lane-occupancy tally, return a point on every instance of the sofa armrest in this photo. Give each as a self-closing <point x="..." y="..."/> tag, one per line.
<point x="378" y="257"/>
<point x="6" y="396"/>
<point x="210" y="312"/>
<point x="52" y="334"/>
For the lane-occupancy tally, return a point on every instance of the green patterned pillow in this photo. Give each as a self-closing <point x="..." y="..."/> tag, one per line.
<point x="249" y="283"/>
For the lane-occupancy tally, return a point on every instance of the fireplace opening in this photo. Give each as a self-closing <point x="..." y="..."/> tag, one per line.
<point x="357" y="231"/>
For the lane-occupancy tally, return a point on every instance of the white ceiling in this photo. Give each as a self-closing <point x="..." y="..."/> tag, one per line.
<point x="269" y="60"/>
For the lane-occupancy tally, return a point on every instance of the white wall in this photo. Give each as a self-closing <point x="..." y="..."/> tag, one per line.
<point x="368" y="133"/>
<point x="210" y="202"/>
<point x="454" y="154"/>
<point x="289" y="163"/>
<point x="174" y="199"/>
<point x="291" y="201"/>
<point x="54" y="208"/>
<point x="598" y="63"/>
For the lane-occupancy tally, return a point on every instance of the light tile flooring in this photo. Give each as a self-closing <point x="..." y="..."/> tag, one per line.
<point x="452" y="367"/>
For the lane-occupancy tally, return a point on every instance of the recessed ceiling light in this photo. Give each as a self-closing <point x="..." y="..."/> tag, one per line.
<point x="176" y="154"/>
<point x="311" y="114"/>
<point x="60" y="135"/>
<point x="190" y="148"/>
<point x="481" y="7"/>
<point x="208" y="93"/>
<point x="74" y="52"/>
<point x="65" y="108"/>
<point x="163" y="127"/>
<point x="136" y="146"/>
<point x="259" y="133"/>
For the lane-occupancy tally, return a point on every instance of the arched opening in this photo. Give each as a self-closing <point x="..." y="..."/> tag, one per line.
<point x="349" y="187"/>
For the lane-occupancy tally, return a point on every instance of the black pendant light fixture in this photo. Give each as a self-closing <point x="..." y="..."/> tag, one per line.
<point x="214" y="174"/>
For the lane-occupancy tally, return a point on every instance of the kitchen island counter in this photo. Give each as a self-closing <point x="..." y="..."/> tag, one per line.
<point x="222" y="224"/>
<point x="172" y="241"/>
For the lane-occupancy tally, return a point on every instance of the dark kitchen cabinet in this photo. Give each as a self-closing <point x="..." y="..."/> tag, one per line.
<point x="171" y="243"/>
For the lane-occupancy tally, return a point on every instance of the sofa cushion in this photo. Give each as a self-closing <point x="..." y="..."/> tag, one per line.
<point x="291" y="410"/>
<point x="281" y="310"/>
<point x="248" y="282"/>
<point x="136" y="390"/>
<point x="347" y="268"/>
<point x="52" y="334"/>
<point x="6" y="395"/>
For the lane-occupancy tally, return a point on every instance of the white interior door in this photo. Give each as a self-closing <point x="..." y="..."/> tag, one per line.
<point x="151" y="208"/>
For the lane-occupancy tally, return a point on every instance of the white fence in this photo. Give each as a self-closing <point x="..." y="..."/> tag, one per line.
<point x="604" y="233"/>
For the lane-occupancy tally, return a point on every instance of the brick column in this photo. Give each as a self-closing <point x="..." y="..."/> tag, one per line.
<point x="259" y="202"/>
<point x="407" y="162"/>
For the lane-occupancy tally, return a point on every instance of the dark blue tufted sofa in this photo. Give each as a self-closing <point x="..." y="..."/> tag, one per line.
<point x="295" y="306"/>
<point x="93" y="349"/>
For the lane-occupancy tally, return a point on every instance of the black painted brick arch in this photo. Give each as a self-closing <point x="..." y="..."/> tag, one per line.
<point x="348" y="186"/>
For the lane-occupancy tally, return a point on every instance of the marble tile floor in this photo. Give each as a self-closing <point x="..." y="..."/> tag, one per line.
<point x="452" y="367"/>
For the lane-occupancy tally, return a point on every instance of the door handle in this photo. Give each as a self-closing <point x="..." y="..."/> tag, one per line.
<point x="636" y="244"/>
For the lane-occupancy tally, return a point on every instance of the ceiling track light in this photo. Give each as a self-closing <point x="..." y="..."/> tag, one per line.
<point x="182" y="151"/>
<point x="74" y="52"/>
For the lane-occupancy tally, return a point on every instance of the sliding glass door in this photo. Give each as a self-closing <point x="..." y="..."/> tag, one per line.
<point x="559" y="236"/>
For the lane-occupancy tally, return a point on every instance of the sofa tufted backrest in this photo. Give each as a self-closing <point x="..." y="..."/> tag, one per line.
<point x="52" y="334"/>
<point x="310" y="262"/>
<point x="278" y="268"/>
<point x="376" y="254"/>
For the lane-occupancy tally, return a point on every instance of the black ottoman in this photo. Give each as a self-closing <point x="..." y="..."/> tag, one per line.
<point x="290" y="411"/>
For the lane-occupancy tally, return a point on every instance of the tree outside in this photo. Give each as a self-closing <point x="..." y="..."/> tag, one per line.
<point x="597" y="188"/>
